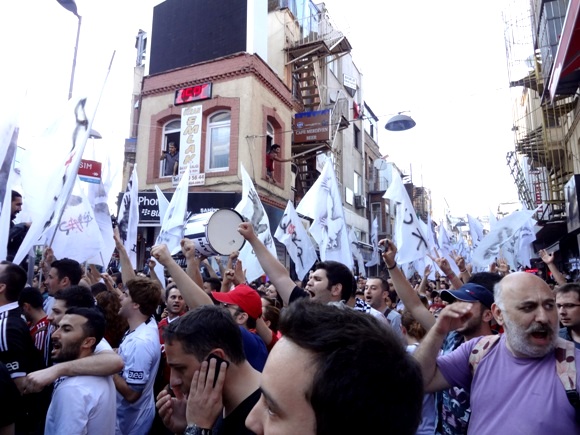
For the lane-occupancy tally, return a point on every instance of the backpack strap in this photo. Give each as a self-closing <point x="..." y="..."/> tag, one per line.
<point x="566" y="369"/>
<point x="483" y="346"/>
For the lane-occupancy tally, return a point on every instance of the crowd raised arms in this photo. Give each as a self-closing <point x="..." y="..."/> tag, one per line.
<point x="208" y="352"/>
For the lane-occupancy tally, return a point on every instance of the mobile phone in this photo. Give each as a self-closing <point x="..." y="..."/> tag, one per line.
<point x="169" y="390"/>
<point x="218" y="364"/>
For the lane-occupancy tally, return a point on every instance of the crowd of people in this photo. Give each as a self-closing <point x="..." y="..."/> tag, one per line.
<point x="82" y="351"/>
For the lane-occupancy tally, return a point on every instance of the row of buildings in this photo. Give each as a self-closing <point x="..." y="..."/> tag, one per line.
<point x="543" y="45"/>
<point x="226" y="79"/>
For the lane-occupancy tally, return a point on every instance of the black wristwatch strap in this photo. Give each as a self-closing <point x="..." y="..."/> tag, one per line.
<point x="194" y="429"/>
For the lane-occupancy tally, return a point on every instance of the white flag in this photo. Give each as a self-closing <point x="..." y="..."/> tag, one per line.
<point x="375" y="242"/>
<point x="8" y="139"/>
<point x="128" y="217"/>
<point x="356" y="251"/>
<point x="294" y="236"/>
<point x="251" y="208"/>
<point x="78" y="235"/>
<point x="489" y="248"/>
<point x="526" y="237"/>
<point x="475" y="230"/>
<point x="323" y="204"/>
<point x="173" y="221"/>
<point x="410" y="238"/>
<point x="50" y="170"/>
<point x="162" y="203"/>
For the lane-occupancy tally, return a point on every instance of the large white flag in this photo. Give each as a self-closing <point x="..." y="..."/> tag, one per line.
<point x="356" y="251"/>
<point x="78" y="235"/>
<point x="251" y="208"/>
<point x="526" y="237"/>
<point x="294" y="236"/>
<point x="506" y="228"/>
<point x="475" y="230"/>
<point x="173" y="221"/>
<point x="375" y="242"/>
<point x="8" y="139"/>
<point x="50" y="169"/>
<point x="128" y="217"/>
<point x="323" y="204"/>
<point x="162" y="203"/>
<point x="410" y="238"/>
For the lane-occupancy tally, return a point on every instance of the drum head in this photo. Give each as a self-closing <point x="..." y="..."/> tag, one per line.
<point x="222" y="231"/>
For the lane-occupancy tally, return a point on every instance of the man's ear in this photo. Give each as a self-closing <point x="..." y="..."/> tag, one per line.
<point x="487" y="315"/>
<point x="241" y="318"/>
<point x="497" y="313"/>
<point x="336" y="290"/>
<point x="88" y="343"/>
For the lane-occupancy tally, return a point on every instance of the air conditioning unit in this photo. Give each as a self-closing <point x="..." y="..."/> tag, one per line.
<point x="360" y="201"/>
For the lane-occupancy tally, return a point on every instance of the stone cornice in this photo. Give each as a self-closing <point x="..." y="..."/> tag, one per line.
<point x="218" y="70"/>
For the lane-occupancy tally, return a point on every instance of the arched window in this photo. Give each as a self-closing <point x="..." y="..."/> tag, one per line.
<point x="217" y="155"/>
<point x="171" y="135"/>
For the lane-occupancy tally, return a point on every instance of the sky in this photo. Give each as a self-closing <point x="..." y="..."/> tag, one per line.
<point x="442" y="61"/>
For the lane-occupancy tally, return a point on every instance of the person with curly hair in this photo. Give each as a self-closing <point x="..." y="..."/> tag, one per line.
<point x="116" y="324"/>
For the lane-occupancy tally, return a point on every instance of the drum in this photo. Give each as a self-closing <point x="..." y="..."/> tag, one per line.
<point x="215" y="232"/>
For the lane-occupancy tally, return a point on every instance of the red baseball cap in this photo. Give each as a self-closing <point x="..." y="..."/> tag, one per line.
<point x="244" y="297"/>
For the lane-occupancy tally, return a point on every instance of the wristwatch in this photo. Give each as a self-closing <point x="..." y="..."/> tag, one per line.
<point x="194" y="429"/>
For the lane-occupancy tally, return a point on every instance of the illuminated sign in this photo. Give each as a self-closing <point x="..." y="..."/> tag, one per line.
<point x="193" y="93"/>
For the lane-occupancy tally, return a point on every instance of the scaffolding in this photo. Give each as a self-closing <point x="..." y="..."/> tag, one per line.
<point x="541" y="163"/>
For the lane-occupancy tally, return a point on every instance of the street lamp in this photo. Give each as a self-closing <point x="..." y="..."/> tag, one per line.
<point x="400" y="122"/>
<point x="71" y="6"/>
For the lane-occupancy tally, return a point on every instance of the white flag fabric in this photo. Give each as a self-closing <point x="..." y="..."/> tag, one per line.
<point x="8" y="139"/>
<point x="294" y="236"/>
<point x="323" y="204"/>
<point x="492" y="220"/>
<point x="78" y="235"/>
<point x="162" y="203"/>
<point x="410" y="238"/>
<point x="526" y="237"/>
<point x="356" y="251"/>
<point x="475" y="230"/>
<point x="251" y="208"/>
<point x="375" y="242"/>
<point x="489" y="248"/>
<point x="173" y="221"/>
<point x="431" y="239"/>
<point x="50" y="169"/>
<point x="128" y="217"/>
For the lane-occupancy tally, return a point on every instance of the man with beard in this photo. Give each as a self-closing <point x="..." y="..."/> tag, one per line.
<point x="80" y="404"/>
<point x="17" y="231"/>
<point x="516" y="388"/>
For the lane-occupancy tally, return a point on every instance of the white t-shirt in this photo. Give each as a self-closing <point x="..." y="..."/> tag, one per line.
<point x="82" y="405"/>
<point x="141" y="352"/>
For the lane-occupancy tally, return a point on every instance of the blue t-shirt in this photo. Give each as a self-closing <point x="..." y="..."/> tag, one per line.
<point x="254" y="348"/>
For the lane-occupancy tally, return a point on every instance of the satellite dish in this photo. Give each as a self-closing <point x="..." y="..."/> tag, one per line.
<point x="380" y="164"/>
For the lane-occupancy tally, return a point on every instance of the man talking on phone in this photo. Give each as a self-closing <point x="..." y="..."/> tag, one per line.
<point x="213" y="387"/>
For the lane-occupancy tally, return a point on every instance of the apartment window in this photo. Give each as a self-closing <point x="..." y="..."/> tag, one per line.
<point x="217" y="156"/>
<point x="357" y="184"/>
<point x="357" y="137"/>
<point x="171" y="135"/>
<point x="269" y="136"/>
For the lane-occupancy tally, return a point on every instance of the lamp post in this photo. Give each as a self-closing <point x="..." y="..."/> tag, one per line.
<point x="71" y="6"/>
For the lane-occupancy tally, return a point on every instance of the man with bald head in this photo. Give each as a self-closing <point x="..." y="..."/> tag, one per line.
<point x="516" y="388"/>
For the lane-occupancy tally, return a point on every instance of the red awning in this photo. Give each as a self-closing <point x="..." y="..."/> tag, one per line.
<point x="568" y="54"/>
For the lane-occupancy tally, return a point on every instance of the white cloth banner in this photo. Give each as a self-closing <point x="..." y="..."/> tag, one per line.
<point x="323" y="204"/>
<point x="526" y="237"/>
<point x="162" y="203"/>
<point x="173" y="221"/>
<point x="8" y="140"/>
<point x="251" y="208"/>
<point x="293" y="235"/>
<point x="475" y="230"/>
<point x="78" y="235"/>
<point x="49" y="172"/>
<point x="410" y="237"/>
<point x="356" y="251"/>
<point x="506" y="228"/>
<point x="375" y="259"/>
<point x="128" y="217"/>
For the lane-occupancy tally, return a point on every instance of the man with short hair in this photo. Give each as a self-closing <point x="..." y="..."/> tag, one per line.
<point x="171" y="157"/>
<point x="207" y="333"/>
<point x="30" y="302"/>
<point x="516" y="387"/>
<point x="379" y="297"/>
<point x="17" y="231"/>
<point x="568" y="305"/>
<point x="320" y="378"/>
<point x="80" y="404"/>
<point x="17" y="350"/>
<point x="62" y="274"/>
<point x="141" y="352"/>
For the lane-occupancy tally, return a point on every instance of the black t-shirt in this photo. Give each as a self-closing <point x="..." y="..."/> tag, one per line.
<point x="235" y="423"/>
<point x="298" y="293"/>
<point x="9" y="398"/>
